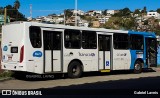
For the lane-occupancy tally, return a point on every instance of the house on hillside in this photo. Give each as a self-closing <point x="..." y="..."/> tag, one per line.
<point x="153" y="14"/>
<point x="90" y="13"/>
<point x="71" y="20"/>
<point x="80" y="22"/>
<point x="79" y="12"/>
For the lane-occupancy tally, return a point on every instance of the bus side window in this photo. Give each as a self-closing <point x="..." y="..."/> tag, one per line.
<point x="137" y="42"/>
<point x="89" y="40"/>
<point x="72" y="39"/>
<point x="35" y="36"/>
<point x="121" y="41"/>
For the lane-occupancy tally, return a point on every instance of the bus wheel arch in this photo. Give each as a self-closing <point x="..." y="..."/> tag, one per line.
<point x="75" y="68"/>
<point x="139" y="64"/>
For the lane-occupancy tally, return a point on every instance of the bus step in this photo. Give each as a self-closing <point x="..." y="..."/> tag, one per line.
<point x="106" y="70"/>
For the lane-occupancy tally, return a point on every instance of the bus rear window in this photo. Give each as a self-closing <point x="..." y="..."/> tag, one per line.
<point x="35" y="36"/>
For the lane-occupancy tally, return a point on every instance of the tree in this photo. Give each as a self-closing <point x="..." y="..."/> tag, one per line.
<point x="1" y="10"/>
<point x="68" y="13"/>
<point x="144" y="11"/>
<point x="104" y="12"/>
<point x="126" y="12"/>
<point x="128" y="23"/>
<point x="153" y="25"/>
<point x="136" y="11"/>
<point x="113" y="23"/>
<point x="123" y="13"/>
<point x="158" y="10"/>
<point x="11" y="11"/>
<point x="17" y="6"/>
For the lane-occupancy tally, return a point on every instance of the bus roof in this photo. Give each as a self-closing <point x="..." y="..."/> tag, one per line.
<point x="151" y="34"/>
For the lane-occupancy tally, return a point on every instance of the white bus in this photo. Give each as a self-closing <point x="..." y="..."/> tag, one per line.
<point x="48" y="48"/>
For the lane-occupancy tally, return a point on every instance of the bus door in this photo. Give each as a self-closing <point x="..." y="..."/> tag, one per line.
<point x="151" y="52"/>
<point x="104" y="48"/>
<point x="52" y="43"/>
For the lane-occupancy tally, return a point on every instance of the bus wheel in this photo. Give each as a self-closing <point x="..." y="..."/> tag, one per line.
<point x="74" y="70"/>
<point x="138" y="67"/>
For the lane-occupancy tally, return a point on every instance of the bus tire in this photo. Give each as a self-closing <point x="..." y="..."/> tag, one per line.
<point x="74" y="70"/>
<point x="138" y="67"/>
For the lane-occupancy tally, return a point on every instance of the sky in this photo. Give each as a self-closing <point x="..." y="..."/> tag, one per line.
<point x="45" y="7"/>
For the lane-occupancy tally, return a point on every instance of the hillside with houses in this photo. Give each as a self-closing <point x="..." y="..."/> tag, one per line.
<point x="124" y="19"/>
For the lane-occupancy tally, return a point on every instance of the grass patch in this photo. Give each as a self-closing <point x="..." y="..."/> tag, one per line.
<point x="6" y="74"/>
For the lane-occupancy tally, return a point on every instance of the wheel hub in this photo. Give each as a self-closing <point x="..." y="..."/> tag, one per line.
<point x="74" y="70"/>
<point x="137" y="67"/>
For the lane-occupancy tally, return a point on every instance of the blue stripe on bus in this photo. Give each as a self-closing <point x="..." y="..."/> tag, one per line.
<point x="133" y="58"/>
<point x="133" y="52"/>
<point x="143" y="33"/>
<point x="158" y="55"/>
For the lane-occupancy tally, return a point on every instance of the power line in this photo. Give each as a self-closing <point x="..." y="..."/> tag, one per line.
<point x="47" y="10"/>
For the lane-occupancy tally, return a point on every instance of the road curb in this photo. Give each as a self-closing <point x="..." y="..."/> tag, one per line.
<point x="6" y="78"/>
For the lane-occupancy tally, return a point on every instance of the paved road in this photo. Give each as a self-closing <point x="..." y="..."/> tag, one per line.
<point x="114" y="80"/>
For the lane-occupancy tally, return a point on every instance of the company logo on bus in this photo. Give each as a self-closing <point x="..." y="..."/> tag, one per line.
<point x="121" y="54"/>
<point x="86" y="54"/>
<point x="5" y="48"/>
<point x="37" y="54"/>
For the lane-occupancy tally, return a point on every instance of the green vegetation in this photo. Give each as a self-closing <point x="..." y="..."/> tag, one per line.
<point x="6" y="74"/>
<point x="120" y="23"/>
<point x="12" y="12"/>
<point x="121" y="20"/>
<point x="158" y="10"/>
<point x="16" y="6"/>
<point x="68" y="13"/>
<point x="137" y="11"/>
<point x="123" y="13"/>
<point x="126" y="20"/>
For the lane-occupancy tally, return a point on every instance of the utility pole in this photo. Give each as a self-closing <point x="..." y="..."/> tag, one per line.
<point x="5" y="16"/>
<point x="76" y="13"/>
<point x="64" y="17"/>
<point x="31" y="11"/>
